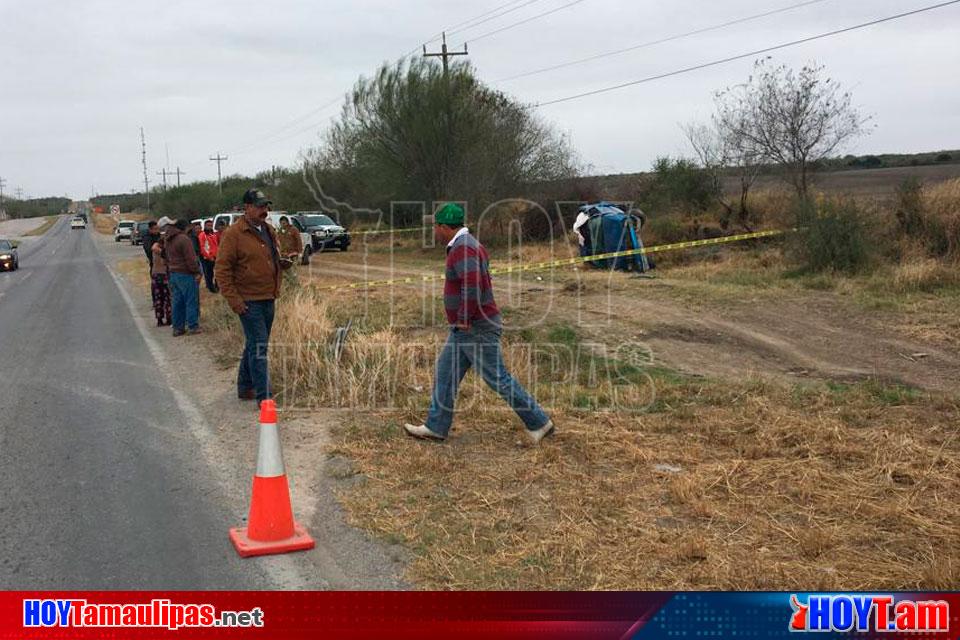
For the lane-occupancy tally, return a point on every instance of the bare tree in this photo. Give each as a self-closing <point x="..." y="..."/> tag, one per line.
<point x="723" y="152"/>
<point x="793" y="119"/>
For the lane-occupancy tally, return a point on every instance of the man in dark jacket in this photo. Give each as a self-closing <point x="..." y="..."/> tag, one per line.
<point x="153" y="234"/>
<point x="184" y="279"/>
<point x="248" y="273"/>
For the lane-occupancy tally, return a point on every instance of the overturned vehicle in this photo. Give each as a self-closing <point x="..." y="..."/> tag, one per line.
<point x="603" y="228"/>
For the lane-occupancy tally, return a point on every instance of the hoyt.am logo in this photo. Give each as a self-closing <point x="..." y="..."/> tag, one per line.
<point x="868" y="613"/>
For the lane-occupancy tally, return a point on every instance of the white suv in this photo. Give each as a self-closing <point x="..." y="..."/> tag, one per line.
<point x="123" y="230"/>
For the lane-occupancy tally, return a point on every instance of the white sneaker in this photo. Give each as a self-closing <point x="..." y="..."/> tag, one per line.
<point x="422" y="432"/>
<point x="541" y="433"/>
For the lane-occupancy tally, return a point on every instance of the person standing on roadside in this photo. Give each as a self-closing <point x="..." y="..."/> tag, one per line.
<point x="160" y="285"/>
<point x="209" y="242"/>
<point x="248" y="272"/>
<point x="153" y="234"/>
<point x="291" y="244"/>
<point x="474" y="338"/>
<point x="184" y="267"/>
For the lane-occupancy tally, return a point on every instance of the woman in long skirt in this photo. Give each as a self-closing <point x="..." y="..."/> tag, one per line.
<point x="160" y="285"/>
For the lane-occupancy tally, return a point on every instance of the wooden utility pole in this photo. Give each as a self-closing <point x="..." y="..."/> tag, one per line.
<point x="179" y="173"/>
<point x="445" y="54"/>
<point x="146" y="180"/>
<point x="218" y="159"/>
<point x="163" y="172"/>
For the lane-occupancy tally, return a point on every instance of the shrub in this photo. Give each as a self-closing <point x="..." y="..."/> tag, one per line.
<point x="930" y="216"/>
<point x="664" y="230"/>
<point x="833" y="237"/>
<point x="678" y="184"/>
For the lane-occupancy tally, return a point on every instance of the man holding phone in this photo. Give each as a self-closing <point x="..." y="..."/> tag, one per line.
<point x="248" y="272"/>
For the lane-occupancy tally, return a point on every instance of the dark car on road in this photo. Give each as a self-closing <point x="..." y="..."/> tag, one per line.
<point x="139" y="232"/>
<point x="9" y="260"/>
<point x="324" y="232"/>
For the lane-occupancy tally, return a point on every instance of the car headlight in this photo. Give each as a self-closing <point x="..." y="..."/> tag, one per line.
<point x="6" y="256"/>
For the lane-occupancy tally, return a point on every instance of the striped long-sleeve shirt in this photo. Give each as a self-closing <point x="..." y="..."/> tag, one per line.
<point x="467" y="290"/>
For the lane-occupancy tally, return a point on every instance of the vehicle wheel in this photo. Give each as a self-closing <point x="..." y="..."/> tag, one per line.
<point x="305" y="259"/>
<point x="116" y="239"/>
<point x="343" y="247"/>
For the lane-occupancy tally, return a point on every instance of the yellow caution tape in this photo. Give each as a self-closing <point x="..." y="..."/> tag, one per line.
<point x="371" y="233"/>
<point x="538" y="266"/>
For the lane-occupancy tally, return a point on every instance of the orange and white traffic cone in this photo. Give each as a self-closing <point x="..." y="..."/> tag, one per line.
<point x="270" y="527"/>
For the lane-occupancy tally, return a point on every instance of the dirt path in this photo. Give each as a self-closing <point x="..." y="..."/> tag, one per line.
<point x="809" y="335"/>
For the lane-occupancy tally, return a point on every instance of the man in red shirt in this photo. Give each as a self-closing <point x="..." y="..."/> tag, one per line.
<point x="209" y="242"/>
<point x="474" y="339"/>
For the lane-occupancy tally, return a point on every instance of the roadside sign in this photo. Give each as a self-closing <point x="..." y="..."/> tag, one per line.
<point x="115" y="210"/>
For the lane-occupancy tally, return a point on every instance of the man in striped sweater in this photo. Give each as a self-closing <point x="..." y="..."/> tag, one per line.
<point x="474" y="339"/>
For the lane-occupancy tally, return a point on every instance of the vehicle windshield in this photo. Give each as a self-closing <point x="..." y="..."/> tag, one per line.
<point x="5" y="246"/>
<point x="318" y="220"/>
<point x="125" y="225"/>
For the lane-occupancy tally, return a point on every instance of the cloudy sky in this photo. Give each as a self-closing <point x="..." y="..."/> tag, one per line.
<point x="246" y="79"/>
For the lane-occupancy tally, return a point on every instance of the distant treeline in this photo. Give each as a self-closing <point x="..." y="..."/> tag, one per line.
<point x="35" y="207"/>
<point x="890" y="160"/>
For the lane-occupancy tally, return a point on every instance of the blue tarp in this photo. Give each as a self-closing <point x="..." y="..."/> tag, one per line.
<point x="610" y="230"/>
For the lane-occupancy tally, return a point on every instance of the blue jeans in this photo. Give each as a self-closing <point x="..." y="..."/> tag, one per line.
<point x="185" y="301"/>
<point x="254" y="370"/>
<point x="479" y="348"/>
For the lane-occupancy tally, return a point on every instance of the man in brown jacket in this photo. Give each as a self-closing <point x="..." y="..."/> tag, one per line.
<point x="248" y="272"/>
<point x="184" y="269"/>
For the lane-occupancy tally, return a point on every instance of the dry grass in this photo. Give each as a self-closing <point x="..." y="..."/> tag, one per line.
<point x="704" y="484"/>
<point x="852" y="488"/>
<point x="105" y="224"/>
<point x="44" y="227"/>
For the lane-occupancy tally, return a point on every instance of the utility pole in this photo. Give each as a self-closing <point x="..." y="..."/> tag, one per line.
<point x="218" y="159"/>
<point x="3" y="212"/>
<point x="19" y="192"/>
<point x="146" y="180"/>
<point x="444" y="53"/>
<point x="179" y="174"/>
<point x="163" y="172"/>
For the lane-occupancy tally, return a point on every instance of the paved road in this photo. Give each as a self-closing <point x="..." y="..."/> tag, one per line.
<point x="100" y="484"/>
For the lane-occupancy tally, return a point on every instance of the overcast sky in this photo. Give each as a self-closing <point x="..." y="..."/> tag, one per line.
<point x="80" y="78"/>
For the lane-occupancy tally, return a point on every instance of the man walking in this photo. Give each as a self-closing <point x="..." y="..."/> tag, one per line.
<point x="248" y="273"/>
<point x="474" y="339"/>
<point x="184" y="267"/>
<point x="291" y="245"/>
<point x="209" y="242"/>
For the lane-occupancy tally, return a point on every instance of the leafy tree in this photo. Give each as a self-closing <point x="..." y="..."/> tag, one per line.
<point x="414" y="132"/>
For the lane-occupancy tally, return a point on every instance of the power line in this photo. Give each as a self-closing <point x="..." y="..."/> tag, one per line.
<point x="651" y="43"/>
<point x="486" y="20"/>
<point x="744" y="55"/>
<point x="525" y="21"/>
<point x="469" y="24"/>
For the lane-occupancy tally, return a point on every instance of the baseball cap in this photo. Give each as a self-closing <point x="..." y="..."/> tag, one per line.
<point x="256" y="198"/>
<point x="164" y="221"/>
<point x="450" y="213"/>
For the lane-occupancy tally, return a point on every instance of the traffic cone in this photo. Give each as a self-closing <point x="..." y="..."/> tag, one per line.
<point x="270" y="527"/>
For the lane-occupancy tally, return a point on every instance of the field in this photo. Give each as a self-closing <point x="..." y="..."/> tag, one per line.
<point x="726" y="422"/>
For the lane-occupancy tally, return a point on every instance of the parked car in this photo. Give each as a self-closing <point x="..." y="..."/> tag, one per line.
<point x="9" y="259"/>
<point x="324" y="232"/>
<point x="76" y="222"/>
<point x="230" y="217"/>
<point x="274" y="219"/>
<point x="140" y="230"/>
<point x="123" y="230"/>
